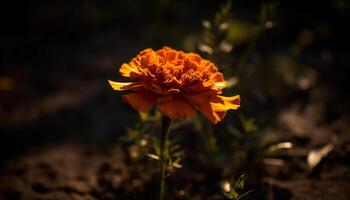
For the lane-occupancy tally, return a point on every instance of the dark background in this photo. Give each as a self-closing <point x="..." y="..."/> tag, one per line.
<point x="56" y="57"/>
<point x="50" y="48"/>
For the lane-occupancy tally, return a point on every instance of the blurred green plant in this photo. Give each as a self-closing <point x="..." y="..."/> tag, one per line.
<point x="220" y="35"/>
<point x="173" y="155"/>
<point x="223" y="33"/>
<point x="246" y="147"/>
<point x="235" y="187"/>
<point x="142" y="141"/>
<point x="138" y="139"/>
<point x="213" y="43"/>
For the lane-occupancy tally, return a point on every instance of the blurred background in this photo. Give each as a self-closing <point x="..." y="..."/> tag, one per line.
<point x="287" y="59"/>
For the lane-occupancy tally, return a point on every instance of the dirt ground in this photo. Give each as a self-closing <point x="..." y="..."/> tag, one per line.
<point x="74" y="171"/>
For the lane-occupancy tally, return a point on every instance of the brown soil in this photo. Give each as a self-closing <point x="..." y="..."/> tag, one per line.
<point x="73" y="171"/>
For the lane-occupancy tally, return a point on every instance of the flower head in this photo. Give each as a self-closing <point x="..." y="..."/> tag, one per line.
<point x="179" y="82"/>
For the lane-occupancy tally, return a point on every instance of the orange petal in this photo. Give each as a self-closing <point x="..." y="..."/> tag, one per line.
<point x="219" y="85"/>
<point x="124" y="86"/>
<point x="140" y="101"/>
<point x="194" y="57"/>
<point x="216" y="81"/>
<point x="213" y="106"/>
<point x="231" y="102"/>
<point x="176" y="108"/>
<point x="129" y="70"/>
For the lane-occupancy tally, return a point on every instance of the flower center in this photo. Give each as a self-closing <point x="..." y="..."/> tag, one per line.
<point x="175" y="76"/>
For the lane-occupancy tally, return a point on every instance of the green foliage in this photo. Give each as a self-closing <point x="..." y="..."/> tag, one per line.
<point x="235" y="189"/>
<point x="138" y="139"/>
<point x="173" y="154"/>
<point x="214" y="42"/>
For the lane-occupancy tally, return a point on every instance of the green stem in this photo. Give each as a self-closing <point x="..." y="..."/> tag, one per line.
<point x="165" y="129"/>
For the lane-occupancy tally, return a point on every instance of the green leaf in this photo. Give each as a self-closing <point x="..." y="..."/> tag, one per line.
<point x="240" y="183"/>
<point x="234" y="194"/>
<point x="153" y="156"/>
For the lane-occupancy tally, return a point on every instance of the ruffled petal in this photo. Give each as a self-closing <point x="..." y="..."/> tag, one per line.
<point x="213" y="106"/>
<point x="216" y="81"/>
<point x="120" y="86"/>
<point x="129" y="70"/>
<point x="176" y="108"/>
<point x="231" y="102"/>
<point x="141" y="101"/>
<point x="194" y="57"/>
<point x="219" y="85"/>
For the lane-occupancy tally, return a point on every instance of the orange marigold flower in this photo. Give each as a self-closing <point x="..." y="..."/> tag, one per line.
<point x="178" y="82"/>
